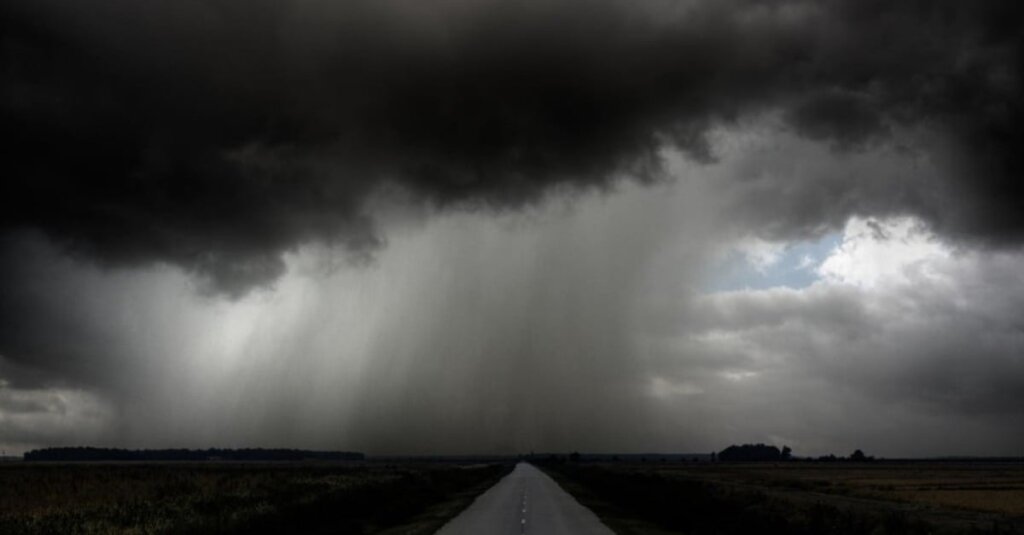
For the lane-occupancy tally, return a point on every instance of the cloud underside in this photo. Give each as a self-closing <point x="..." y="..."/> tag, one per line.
<point x="217" y="135"/>
<point x="181" y="178"/>
<point x="580" y="330"/>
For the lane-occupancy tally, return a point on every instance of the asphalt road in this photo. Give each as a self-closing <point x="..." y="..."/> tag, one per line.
<point x="525" y="501"/>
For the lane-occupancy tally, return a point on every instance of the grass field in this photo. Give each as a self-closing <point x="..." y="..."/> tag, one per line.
<point x="800" y="497"/>
<point x="983" y="487"/>
<point x="144" y="498"/>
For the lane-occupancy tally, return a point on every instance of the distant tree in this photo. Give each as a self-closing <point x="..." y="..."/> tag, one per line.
<point x="750" y="452"/>
<point x="575" y="457"/>
<point x="714" y="456"/>
<point x="787" y="453"/>
<point x="858" y="456"/>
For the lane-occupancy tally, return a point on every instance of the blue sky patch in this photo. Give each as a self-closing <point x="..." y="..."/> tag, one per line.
<point x="794" y="265"/>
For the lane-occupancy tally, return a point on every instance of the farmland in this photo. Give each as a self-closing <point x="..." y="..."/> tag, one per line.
<point x="222" y="497"/>
<point x="800" y="497"/>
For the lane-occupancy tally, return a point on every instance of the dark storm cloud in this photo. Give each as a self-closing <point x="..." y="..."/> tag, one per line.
<point x="214" y="135"/>
<point x="844" y="119"/>
<point x="55" y="330"/>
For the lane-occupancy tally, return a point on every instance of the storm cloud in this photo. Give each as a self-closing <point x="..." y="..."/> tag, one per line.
<point x="491" y="226"/>
<point x="217" y="135"/>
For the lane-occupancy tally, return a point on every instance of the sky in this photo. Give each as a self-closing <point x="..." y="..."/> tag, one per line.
<point x="472" y="226"/>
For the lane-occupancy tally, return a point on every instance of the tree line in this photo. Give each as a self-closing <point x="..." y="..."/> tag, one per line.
<point x="212" y="454"/>
<point x="765" y="452"/>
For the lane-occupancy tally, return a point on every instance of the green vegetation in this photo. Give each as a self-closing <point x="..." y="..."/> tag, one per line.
<point x="792" y="498"/>
<point x="144" y="498"/>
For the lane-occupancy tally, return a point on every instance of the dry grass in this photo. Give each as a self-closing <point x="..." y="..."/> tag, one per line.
<point x="997" y="488"/>
<point x="145" y="498"/>
<point x="988" y="487"/>
<point x="1010" y="502"/>
<point x="805" y="497"/>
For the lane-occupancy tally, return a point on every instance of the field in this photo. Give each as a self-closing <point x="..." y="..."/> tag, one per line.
<point x="144" y="498"/>
<point x="800" y="497"/>
<point x="650" y="498"/>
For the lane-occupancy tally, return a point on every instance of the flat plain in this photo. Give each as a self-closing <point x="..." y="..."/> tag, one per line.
<point x="800" y="497"/>
<point x="404" y="497"/>
<point x="228" y="497"/>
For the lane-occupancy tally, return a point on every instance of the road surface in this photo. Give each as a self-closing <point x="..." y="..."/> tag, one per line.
<point x="526" y="501"/>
